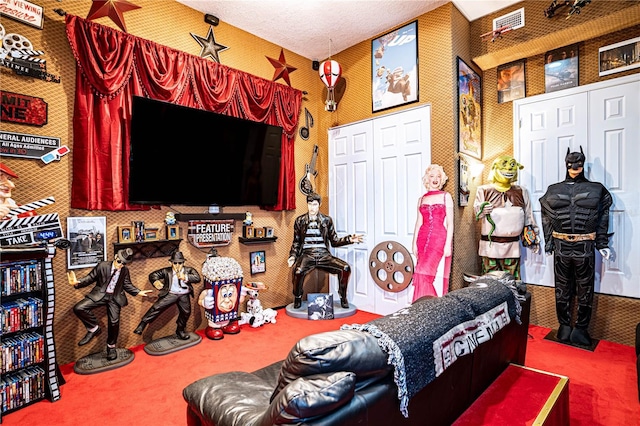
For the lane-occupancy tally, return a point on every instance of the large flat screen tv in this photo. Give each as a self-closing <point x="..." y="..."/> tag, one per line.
<point x="188" y="156"/>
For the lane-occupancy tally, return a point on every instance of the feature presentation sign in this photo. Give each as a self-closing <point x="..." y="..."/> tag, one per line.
<point x="210" y="233"/>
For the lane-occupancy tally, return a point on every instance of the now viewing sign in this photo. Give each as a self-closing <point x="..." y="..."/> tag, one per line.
<point x="23" y="11"/>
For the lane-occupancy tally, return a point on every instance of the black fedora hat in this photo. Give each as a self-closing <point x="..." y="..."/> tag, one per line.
<point x="125" y="255"/>
<point x="177" y="256"/>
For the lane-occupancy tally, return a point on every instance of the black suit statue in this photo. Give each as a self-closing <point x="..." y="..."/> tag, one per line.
<point x="176" y="288"/>
<point x="312" y="234"/>
<point x="112" y="280"/>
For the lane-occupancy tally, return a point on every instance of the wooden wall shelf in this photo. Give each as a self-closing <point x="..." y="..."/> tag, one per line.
<point x="148" y="249"/>
<point x="251" y="241"/>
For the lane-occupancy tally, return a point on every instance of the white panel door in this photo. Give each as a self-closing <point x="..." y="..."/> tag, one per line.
<point x="402" y="153"/>
<point x="614" y="146"/>
<point x="375" y="173"/>
<point x="546" y="129"/>
<point x="604" y="119"/>
<point x="351" y="204"/>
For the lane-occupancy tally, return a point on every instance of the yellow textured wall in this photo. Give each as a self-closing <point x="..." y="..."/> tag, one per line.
<point x="444" y="34"/>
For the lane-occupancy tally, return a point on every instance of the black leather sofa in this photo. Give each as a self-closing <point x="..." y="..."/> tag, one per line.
<point x="343" y="377"/>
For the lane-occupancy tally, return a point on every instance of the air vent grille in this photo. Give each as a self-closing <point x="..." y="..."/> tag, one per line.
<point x="515" y="19"/>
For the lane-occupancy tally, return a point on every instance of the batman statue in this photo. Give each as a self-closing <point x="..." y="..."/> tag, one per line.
<point x="575" y="221"/>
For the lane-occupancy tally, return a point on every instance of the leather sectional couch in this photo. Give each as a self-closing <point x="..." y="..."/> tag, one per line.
<point x="344" y="377"/>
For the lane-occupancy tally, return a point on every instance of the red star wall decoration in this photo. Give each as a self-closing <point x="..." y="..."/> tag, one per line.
<point x="282" y="69"/>
<point x="111" y="8"/>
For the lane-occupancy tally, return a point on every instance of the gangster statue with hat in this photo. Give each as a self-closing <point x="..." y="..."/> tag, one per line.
<point x="575" y="221"/>
<point x="175" y="284"/>
<point x="111" y="281"/>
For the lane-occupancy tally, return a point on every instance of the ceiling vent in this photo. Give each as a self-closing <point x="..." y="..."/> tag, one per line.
<point x="515" y="19"/>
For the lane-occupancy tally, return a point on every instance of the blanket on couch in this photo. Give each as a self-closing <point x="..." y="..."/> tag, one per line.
<point x="428" y="336"/>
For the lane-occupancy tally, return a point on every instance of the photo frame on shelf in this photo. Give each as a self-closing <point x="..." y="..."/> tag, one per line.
<point x="561" y="68"/>
<point x="619" y="57"/>
<point x="394" y="68"/>
<point x="469" y="87"/>
<point x="248" y="231"/>
<point x="512" y="82"/>
<point x="268" y="232"/>
<point x="88" y="242"/>
<point x="259" y="232"/>
<point x="125" y="234"/>
<point x="172" y="232"/>
<point x="151" y="234"/>
<point x="138" y="230"/>
<point x="258" y="261"/>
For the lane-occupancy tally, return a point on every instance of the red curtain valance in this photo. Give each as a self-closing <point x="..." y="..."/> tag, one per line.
<point x="113" y="66"/>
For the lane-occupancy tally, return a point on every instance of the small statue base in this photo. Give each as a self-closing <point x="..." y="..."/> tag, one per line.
<point x="303" y="312"/>
<point x="98" y="362"/>
<point x="552" y="336"/>
<point x="169" y="344"/>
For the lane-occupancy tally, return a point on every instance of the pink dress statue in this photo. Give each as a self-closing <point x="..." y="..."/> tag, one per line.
<point x="433" y="236"/>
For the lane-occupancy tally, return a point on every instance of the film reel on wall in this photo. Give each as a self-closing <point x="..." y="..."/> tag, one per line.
<point x="391" y="266"/>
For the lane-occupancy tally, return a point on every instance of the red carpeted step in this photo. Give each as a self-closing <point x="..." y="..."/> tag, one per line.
<point x="521" y="396"/>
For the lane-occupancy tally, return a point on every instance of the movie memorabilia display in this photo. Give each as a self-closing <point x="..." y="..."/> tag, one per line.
<point x="88" y="243"/>
<point x="23" y="109"/>
<point x="619" y="57"/>
<point x="394" y="68"/>
<point x="469" y="111"/>
<point x="24" y="12"/>
<point x="22" y="145"/>
<point x="221" y="295"/>
<point x="511" y="81"/>
<point x="561" y="68"/>
<point x="210" y="233"/>
<point x="258" y="262"/>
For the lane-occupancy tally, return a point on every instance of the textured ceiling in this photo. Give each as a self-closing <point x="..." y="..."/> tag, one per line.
<point x="316" y="29"/>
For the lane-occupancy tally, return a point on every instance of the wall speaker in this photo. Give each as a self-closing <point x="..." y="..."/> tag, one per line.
<point x="315" y="65"/>
<point x="211" y="20"/>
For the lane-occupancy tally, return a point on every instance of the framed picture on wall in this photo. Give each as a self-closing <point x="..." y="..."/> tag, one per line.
<point x="561" y="68"/>
<point x="258" y="262"/>
<point x="465" y="177"/>
<point x="469" y="111"/>
<point x="394" y="68"/>
<point x="511" y="81"/>
<point x="619" y="57"/>
<point x="88" y="243"/>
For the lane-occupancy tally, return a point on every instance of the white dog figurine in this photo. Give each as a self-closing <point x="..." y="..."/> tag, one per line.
<point x="256" y="315"/>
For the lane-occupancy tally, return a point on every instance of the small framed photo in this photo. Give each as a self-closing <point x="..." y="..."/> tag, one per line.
<point x="561" y="68"/>
<point x="138" y="230"/>
<point x="258" y="262"/>
<point x="151" y="234"/>
<point x="619" y="57"/>
<point x="248" y="231"/>
<point x="268" y="232"/>
<point x="125" y="234"/>
<point x="259" y="232"/>
<point x="511" y="81"/>
<point x="172" y="232"/>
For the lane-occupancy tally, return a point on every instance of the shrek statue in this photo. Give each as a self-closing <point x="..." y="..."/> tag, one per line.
<point x="175" y="284"/>
<point x="507" y="218"/>
<point x="312" y="234"/>
<point x="575" y="222"/>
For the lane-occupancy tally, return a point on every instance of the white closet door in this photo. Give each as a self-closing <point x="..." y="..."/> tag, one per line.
<point x="351" y="204"/>
<point x="547" y="128"/>
<point x="614" y="150"/>
<point x="375" y="172"/>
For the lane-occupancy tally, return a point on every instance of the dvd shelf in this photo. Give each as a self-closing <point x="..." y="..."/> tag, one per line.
<point x="28" y="363"/>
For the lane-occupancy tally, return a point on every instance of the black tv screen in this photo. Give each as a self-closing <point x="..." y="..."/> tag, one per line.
<point x="188" y="156"/>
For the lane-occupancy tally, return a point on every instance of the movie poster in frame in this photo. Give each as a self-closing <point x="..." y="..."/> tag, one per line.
<point x="258" y="262"/>
<point x="561" y="68"/>
<point x="394" y="68"/>
<point x="619" y="57"/>
<point x="88" y="243"/>
<point x="512" y="84"/>
<point x="469" y="86"/>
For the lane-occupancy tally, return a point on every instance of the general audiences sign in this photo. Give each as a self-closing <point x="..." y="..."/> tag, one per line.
<point x="26" y="146"/>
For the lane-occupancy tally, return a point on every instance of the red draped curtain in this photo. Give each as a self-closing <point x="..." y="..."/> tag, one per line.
<point x="113" y="66"/>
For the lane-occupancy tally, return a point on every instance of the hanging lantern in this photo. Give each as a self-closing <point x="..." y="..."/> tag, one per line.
<point x="330" y="72"/>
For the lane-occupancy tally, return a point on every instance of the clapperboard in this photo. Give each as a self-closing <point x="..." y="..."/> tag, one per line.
<point x="30" y="230"/>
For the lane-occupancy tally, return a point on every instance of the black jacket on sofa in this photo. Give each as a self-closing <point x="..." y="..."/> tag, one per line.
<point x="344" y="377"/>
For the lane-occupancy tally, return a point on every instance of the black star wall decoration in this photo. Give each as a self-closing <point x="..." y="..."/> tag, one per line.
<point x="209" y="46"/>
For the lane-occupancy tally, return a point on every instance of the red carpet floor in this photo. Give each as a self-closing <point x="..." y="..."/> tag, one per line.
<point x="148" y="391"/>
